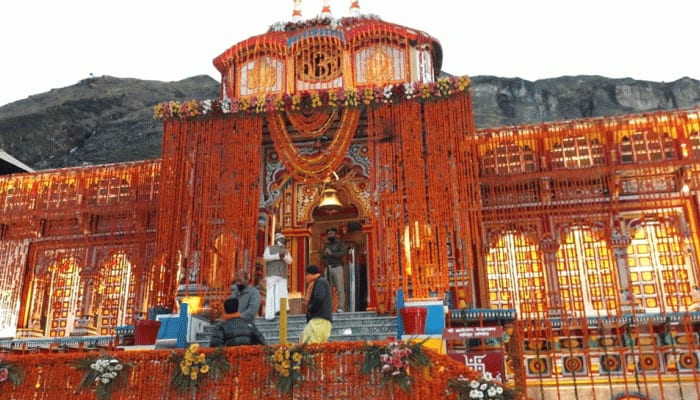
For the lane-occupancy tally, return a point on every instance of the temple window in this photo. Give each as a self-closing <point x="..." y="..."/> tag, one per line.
<point x="516" y="276"/>
<point x="586" y="275"/>
<point x="17" y="198"/>
<point x="59" y="195"/>
<point x="110" y="191"/>
<point x="508" y="159"/>
<point x="647" y="147"/>
<point x="319" y="67"/>
<point x="117" y="290"/>
<point x="382" y="63"/>
<point x="659" y="275"/>
<point x="260" y="76"/>
<point x="65" y="296"/>
<point x="695" y="144"/>
<point x="424" y="63"/>
<point x="578" y="152"/>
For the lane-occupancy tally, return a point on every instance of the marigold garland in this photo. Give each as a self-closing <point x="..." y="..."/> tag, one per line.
<point x="194" y="366"/>
<point x="287" y="363"/>
<point x="349" y="98"/>
<point x="394" y="360"/>
<point x="105" y="373"/>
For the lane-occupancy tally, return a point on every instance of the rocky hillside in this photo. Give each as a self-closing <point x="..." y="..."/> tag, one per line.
<point x="106" y="119"/>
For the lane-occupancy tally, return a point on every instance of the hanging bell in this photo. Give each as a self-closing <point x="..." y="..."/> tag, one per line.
<point x="329" y="201"/>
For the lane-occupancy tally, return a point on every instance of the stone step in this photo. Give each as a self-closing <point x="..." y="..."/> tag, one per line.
<point x="349" y="326"/>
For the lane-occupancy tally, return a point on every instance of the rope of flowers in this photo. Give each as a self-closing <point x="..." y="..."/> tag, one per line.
<point x="394" y="361"/>
<point x="444" y="87"/>
<point x="105" y="374"/>
<point x="193" y="366"/>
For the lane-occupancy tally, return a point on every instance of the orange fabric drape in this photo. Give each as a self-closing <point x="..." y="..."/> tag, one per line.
<point x="209" y="222"/>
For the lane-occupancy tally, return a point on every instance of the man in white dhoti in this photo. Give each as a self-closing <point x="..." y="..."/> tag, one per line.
<point x="277" y="261"/>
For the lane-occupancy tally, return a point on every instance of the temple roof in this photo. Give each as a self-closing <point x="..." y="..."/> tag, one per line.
<point x="350" y="31"/>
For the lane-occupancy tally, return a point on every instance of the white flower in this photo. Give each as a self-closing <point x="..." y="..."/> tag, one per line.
<point x="488" y="376"/>
<point x="226" y="106"/>
<point x="491" y="391"/>
<point x="206" y="106"/>
<point x="387" y="91"/>
<point x="408" y="89"/>
<point x="118" y="367"/>
<point x="474" y="384"/>
<point x="475" y="394"/>
<point x="105" y="380"/>
<point x="483" y="387"/>
<point x="499" y="390"/>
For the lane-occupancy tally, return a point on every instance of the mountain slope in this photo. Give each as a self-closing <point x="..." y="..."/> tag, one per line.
<point x="106" y="119"/>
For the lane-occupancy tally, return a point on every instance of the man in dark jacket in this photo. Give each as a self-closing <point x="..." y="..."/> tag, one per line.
<point x="318" y="301"/>
<point x="234" y="331"/>
<point x="248" y="296"/>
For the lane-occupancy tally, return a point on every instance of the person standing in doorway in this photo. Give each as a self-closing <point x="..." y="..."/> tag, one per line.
<point x="248" y="296"/>
<point x="333" y="253"/>
<point x="318" y="303"/>
<point x="277" y="261"/>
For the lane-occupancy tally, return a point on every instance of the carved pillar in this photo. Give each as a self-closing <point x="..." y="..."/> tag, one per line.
<point x="620" y="243"/>
<point x="549" y="248"/>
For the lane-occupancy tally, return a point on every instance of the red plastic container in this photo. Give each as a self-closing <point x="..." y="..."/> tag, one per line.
<point x="413" y="319"/>
<point x="146" y="331"/>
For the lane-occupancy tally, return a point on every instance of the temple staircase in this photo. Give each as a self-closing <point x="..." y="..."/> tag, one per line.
<point x="348" y="326"/>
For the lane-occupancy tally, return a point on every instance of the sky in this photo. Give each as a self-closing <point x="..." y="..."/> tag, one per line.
<point x="50" y="44"/>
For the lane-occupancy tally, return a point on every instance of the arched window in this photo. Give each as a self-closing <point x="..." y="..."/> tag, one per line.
<point x="579" y="152"/>
<point x="660" y="278"/>
<point x="694" y="138"/>
<point x="109" y="191"/>
<point x="117" y="294"/>
<point x="586" y="275"/>
<point x="647" y="147"/>
<point x="508" y="159"/>
<point x="515" y="276"/>
<point x="260" y="76"/>
<point x="381" y="63"/>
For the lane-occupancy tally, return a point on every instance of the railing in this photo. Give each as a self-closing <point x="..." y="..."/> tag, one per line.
<point x="335" y="375"/>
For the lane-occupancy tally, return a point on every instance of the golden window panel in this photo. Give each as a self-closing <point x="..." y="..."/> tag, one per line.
<point x="585" y="274"/>
<point x="647" y="146"/>
<point x="380" y="64"/>
<point x="424" y="63"/>
<point x="508" y="159"/>
<point x="515" y="276"/>
<point x="659" y="276"/>
<point x="261" y="76"/>
<point x="579" y="152"/>
<point x="319" y="67"/>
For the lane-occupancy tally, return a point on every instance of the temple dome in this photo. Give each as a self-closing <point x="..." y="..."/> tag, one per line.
<point x="327" y="54"/>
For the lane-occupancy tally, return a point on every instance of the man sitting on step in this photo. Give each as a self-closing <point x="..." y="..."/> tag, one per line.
<point x="232" y="330"/>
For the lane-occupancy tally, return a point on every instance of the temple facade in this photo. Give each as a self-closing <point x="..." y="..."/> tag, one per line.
<point x="586" y="231"/>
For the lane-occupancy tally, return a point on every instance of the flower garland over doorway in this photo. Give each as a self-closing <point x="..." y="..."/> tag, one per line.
<point x="315" y="167"/>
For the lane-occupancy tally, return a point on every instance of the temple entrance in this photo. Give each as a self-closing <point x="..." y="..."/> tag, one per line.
<point x="349" y="231"/>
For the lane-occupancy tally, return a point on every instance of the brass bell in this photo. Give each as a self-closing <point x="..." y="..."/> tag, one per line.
<point x="329" y="201"/>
